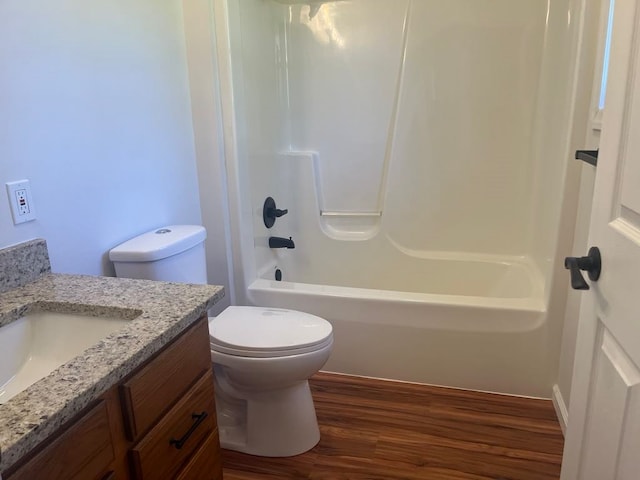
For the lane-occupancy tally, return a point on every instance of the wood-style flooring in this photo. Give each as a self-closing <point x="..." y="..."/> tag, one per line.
<point x="380" y="430"/>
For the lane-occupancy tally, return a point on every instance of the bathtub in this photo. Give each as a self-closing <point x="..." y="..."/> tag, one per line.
<point x="476" y="323"/>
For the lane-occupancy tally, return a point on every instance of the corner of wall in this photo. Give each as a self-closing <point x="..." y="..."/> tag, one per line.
<point x="201" y="54"/>
<point x="561" y="409"/>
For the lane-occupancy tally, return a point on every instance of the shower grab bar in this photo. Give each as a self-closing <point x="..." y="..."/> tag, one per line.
<point x="324" y="213"/>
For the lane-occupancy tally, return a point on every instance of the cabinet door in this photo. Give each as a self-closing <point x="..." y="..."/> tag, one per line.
<point x="158" y="385"/>
<point x="171" y="443"/>
<point x="82" y="452"/>
<point x="206" y="463"/>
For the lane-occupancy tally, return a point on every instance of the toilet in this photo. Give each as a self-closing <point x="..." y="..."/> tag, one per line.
<point x="262" y="357"/>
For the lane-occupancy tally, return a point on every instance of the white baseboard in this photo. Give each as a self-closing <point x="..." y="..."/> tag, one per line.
<point x="561" y="408"/>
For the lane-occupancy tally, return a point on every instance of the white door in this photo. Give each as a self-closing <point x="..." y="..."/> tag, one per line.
<point x="603" y="435"/>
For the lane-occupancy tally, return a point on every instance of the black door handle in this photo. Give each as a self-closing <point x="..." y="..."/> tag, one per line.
<point x="592" y="264"/>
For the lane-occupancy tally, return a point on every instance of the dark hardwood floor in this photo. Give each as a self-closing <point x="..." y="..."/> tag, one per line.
<point x="379" y="430"/>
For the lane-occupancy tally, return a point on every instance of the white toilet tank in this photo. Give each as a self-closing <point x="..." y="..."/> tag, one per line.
<point x="171" y="254"/>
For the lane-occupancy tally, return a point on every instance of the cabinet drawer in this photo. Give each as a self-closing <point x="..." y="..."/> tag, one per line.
<point x="206" y="463"/>
<point x="83" y="452"/>
<point x="157" y="386"/>
<point x="191" y="420"/>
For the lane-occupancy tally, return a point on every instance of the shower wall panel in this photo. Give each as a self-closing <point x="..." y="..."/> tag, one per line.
<point x="459" y="177"/>
<point x="423" y="111"/>
<point x="552" y="145"/>
<point x="343" y="69"/>
<point x="260" y="94"/>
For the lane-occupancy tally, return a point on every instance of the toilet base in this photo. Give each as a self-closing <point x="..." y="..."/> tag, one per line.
<point x="275" y="423"/>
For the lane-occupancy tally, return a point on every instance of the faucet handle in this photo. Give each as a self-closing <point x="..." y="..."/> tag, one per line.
<point x="270" y="212"/>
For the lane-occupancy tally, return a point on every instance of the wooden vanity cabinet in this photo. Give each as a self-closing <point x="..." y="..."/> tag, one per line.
<point x="178" y="435"/>
<point x="82" y="451"/>
<point x="170" y="410"/>
<point x="159" y="423"/>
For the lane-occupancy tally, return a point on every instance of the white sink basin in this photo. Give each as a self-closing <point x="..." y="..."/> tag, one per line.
<point x="35" y="345"/>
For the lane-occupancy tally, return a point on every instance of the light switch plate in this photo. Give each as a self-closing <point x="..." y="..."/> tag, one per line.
<point x="22" y="207"/>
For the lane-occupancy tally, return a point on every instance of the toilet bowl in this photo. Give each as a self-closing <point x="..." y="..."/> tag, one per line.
<point x="263" y="358"/>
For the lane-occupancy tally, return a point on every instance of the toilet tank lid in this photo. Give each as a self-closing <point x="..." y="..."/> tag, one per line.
<point x="159" y="243"/>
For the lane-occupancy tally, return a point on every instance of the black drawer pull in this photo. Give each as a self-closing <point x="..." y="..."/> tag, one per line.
<point x="199" y="418"/>
<point x="109" y="475"/>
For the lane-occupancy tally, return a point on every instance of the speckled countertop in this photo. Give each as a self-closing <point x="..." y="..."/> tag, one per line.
<point x="159" y="312"/>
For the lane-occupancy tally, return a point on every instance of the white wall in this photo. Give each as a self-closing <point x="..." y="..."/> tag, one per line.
<point x="94" y="110"/>
<point x="209" y="143"/>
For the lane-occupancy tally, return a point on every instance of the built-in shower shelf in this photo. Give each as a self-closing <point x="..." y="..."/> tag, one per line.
<point x="350" y="225"/>
<point x="324" y="213"/>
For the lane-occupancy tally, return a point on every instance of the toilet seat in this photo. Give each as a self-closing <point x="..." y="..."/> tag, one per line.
<point x="268" y="332"/>
<point x="244" y="352"/>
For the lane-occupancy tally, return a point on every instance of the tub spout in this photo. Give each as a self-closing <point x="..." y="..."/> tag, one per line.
<point x="279" y="242"/>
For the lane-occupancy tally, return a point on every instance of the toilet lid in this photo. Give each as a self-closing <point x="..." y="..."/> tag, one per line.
<point x="257" y="330"/>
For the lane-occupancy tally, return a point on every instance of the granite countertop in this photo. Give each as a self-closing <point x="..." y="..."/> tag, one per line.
<point x="158" y="312"/>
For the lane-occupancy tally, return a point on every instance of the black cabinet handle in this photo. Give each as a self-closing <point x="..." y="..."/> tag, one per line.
<point x="199" y="418"/>
<point x="592" y="264"/>
<point x="109" y="475"/>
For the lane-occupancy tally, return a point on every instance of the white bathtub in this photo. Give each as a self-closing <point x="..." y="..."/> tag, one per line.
<point x="476" y="324"/>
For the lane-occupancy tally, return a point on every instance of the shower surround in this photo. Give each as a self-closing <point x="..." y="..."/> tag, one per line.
<point x="421" y="149"/>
